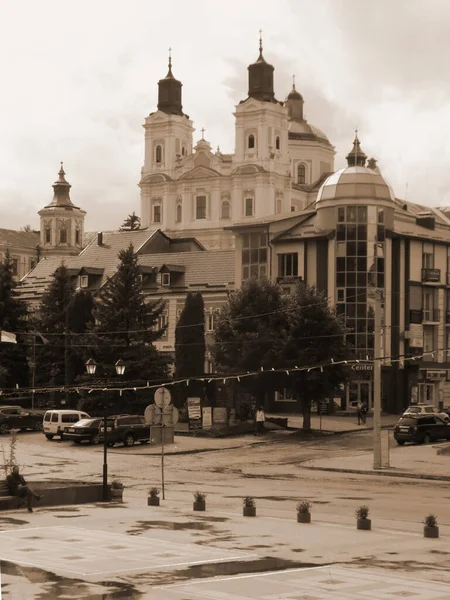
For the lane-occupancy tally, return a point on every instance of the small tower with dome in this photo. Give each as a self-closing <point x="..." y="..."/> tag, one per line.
<point x="62" y="223"/>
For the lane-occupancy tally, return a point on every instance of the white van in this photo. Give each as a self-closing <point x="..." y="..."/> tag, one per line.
<point x="55" y="421"/>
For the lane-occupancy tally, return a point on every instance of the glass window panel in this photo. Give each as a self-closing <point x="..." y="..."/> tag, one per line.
<point x="351" y="324"/>
<point x="362" y="249"/>
<point x="340" y="279"/>
<point x="361" y="279"/>
<point x="340" y="232"/>
<point x="380" y="280"/>
<point x="263" y="239"/>
<point x="361" y="312"/>
<point x="380" y="233"/>
<point x="380" y="249"/>
<point x="245" y="272"/>
<point x="351" y="214"/>
<point x="351" y="279"/>
<point x="254" y="240"/>
<point x="351" y="248"/>
<point x="253" y="270"/>
<point x="340" y="309"/>
<point x="340" y="249"/>
<point x="361" y="341"/>
<point x="351" y="264"/>
<point x="253" y="256"/>
<point x="350" y="295"/>
<point x="262" y="270"/>
<point x="245" y="257"/>
<point x="362" y="264"/>
<point x="361" y="293"/>
<point x="340" y="295"/>
<point x="362" y="214"/>
<point x="340" y="264"/>
<point x="341" y="214"/>
<point x="350" y="310"/>
<point x="380" y="265"/>
<point x="351" y="232"/>
<point x="246" y="241"/>
<point x="263" y="255"/>
<point x="362" y="232"/>
<point x="380" y="215"/>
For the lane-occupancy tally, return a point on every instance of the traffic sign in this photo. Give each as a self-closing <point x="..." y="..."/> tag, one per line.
<point x="162" y="397"/>
<point x="149" y="414"/>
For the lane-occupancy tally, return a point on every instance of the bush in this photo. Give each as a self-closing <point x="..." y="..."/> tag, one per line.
<point x="199" y="496"/>
<point x="304" y="506"/>
<point x="249" y="502"/>
<point x="362" y="512"/>
<point x="153" y="492"/>
<point x="116" y="485"/>
<point x="430" y="521"/>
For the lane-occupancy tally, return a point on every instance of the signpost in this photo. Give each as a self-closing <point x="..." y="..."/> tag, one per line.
<point x="194" y="414"/>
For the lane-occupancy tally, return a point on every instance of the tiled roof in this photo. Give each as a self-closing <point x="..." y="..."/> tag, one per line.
<point x="22" y="239"/>
<point x="210" y="268"/>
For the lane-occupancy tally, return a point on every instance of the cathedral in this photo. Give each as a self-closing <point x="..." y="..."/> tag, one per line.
<point x="279" y="162"/>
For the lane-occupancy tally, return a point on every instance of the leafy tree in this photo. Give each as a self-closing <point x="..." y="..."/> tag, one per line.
<point x="251" y="333"/>
<point x="190" y="338"/>
<point x="26" y="228"/>
<point x="13" y="318"/>
<point x="131" y="223"/>
<point x="316" y="336"/>
<point x="126" y="326"/>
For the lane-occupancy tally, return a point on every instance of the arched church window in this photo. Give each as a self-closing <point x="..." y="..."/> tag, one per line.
<point x="157" y="213"/>
<point x="63" y="236"/>
<point x="301" y="173"/>
<point x="159" y="154"/>
<point x="48" y="235"/>
<point x="225" y="210"/>
<point x="277" y="142"/>
<point x="251" y="141"/>
<point x="178" y="214"/>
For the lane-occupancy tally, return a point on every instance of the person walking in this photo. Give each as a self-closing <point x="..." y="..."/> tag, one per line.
<point x="359" y="412"/>
<point x="18" y="487"/>
<point x="260" y="418"/>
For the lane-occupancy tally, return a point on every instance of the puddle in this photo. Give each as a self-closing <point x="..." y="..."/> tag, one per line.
<point x="302" y="550"/>
<point x="12" y="521"/>
<point x="143" y="526"/>
<point x="70" y="516"/>
<point x="353" y="498"/>
<point x="60" y="509"/>
<point x="214" y="519"/>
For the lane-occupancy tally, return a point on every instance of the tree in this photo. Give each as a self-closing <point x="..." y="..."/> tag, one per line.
<point x="131" y="223"/>
<point x="13" y="318"/>
<point x="190" y="338"/>
<point x="26" y="229"/>
<point x="80" y="320"/>
<point x="316" y="336"/>
<point x="251" y="333"/>
<point x="126" y="326"/>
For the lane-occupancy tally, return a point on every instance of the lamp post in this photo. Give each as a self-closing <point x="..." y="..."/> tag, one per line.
<point x="91" y="367"/>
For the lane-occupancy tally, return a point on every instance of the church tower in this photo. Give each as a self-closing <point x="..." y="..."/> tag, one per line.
<point x="62" y="223"/>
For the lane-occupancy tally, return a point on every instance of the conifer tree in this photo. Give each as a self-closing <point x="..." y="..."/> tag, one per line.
<point x="131" y="223"/>
<point x="190" y="338"/>
<point x="13" y="313"/>
<point x="126" y="325"/>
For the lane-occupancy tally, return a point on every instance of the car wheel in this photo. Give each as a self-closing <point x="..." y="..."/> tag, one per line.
<point x="400" y="442"/>
<point x="128" y="440"/>
<point x="49" y="436"/>
<point x="38" y="426"/>
<point x="95" y="439"/>
<point x="4" y="428"/>
<point x="144" y="441"/>
<point x="427" y="438"/>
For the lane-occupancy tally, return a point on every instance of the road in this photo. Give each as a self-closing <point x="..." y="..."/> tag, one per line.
<point x="273" y="474"/>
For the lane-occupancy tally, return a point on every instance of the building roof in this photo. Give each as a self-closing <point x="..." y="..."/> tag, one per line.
<point x="21" y="239"/>
<point x="355" y="182"/>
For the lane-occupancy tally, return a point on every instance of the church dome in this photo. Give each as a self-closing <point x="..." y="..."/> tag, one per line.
<point x="303" y="130"/>
<point x="355" y="183"/>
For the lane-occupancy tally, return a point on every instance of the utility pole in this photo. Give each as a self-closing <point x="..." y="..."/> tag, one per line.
<point x="377" y="382"/>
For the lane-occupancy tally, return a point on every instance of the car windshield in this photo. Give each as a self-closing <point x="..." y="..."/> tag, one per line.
<point x="409" y="421"/>
<point x="413" y="409"/>
<point x="86" y="422"/>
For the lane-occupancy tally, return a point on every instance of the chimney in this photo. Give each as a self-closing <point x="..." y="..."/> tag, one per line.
<point x="100" y="238"/>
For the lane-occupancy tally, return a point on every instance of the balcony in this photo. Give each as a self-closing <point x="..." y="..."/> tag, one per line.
<point x="431" y="275"/>
<point x="431" y="315"/>
<point x="415" y="316"/>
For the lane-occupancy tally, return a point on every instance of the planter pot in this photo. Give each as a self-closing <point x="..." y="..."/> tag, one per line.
<point x="431" y="532"/>
<point x="303" y="517"/>
<point x="153" y="501"/>
<point x="200" y="505"/>
<point x="365" y="524"/>
<point x="116" y="495"/>
<point x="249" y="511"/>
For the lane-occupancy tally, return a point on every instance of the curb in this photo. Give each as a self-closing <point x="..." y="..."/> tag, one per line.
<point x="403" y="474"/>
<point x="194" y="451"/>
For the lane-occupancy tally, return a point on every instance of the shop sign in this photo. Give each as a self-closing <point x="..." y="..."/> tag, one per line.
<point x="358" y="367"/>
<point x="436" y="374"/>
<point x="207" y="417"/>
<point x="194" y="413"/>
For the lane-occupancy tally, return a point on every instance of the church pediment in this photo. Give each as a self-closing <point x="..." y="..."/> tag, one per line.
<point x="248" y="170"/>
<point x="201" y="172"/>
<point x="156" y="178"/>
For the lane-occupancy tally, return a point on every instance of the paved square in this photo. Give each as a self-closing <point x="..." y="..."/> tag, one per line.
<point x="87" y="552"/>
<point x="320" y="583"/>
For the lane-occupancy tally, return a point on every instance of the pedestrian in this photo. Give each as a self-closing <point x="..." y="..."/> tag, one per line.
<point x="18" y="487"/>
<point x="260" y="418"/>
<point x="359" y="413"/>
<point x="364" y="412"/>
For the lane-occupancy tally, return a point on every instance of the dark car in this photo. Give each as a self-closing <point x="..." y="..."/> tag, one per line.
<point x="421" y="429"/>
<point x="15" y="417"/>
<point x="127" y="429"/>
<point x="86" y="430"/>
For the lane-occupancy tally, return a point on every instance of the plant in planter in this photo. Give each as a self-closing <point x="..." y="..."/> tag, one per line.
<point x="116" y="491"/>
<point x="199" y="501"/>
<point x="249" y="509"/>
<point x="431" y="529"/>
<point x="153" y="497"/>
<point x="304" y="511"/>
<point x="362" y="521"/>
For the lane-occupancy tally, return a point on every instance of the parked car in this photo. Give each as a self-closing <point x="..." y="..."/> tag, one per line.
<point x="426" y="409"/>
<point x="16" y="417"/>
<point x="127" y="429"/>
<point x="421" y="429"/>
<point x="55" y="421"/>
<point x="86" y="430"/>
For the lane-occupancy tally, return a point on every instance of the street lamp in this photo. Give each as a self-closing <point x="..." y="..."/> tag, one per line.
<point x="91" y="367"/>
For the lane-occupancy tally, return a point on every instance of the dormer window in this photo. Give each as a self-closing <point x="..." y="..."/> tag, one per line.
<point x="277" y="142"/>
<point x="158" y="154"/>
<point x="251" y="141"/>
<point x="84" y="280"/>
<point x="165" y="279"/>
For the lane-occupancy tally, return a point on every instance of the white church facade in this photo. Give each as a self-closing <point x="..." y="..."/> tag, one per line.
<point x="190" y="189"/>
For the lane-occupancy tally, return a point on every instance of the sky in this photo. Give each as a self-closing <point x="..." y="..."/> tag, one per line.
<point x="79" y="77"/>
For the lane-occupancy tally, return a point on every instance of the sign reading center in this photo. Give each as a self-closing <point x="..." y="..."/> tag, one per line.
<point x="362" y="367"/>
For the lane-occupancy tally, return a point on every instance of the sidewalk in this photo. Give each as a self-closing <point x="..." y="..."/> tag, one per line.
<point x="336" y="423"/>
